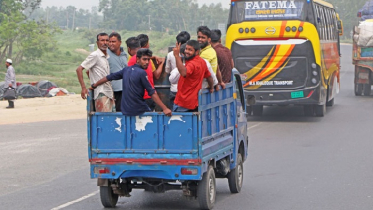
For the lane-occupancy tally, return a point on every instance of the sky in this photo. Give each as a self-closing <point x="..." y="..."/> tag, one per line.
<point x="88" y="4"/>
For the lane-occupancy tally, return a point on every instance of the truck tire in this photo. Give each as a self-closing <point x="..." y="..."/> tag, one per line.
<point x="257" y="110"/>
<point x="309" y="110"/>
<point x="206" y="191"/>
<point x="235" y="177"/>
<point x="108" y="198"/>
<point x="320" y="110"/>
<point x="358" y="89"/>
<point x="367" y="89"/>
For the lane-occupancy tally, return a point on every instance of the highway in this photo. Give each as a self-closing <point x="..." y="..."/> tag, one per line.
<point x="295" y="162"/>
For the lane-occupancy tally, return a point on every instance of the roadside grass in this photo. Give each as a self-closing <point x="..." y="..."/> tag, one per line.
<point x="59" y="66"/>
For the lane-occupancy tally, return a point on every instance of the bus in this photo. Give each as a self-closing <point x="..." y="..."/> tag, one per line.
<point x="287" y="52"/>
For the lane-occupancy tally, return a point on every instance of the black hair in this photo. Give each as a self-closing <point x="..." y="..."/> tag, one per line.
<point x="215" y="35"/>
<point x="194" y="44"/>
<point x="182" y="48"/>
<point x="205" y="31"/>
<point x="116" y="35"/>
<point x="133" y="43"/>
<point x="144" y="39"/>
<point x="183" y="37"/>
<point x="144" y="51"/>
<point x="101" y="34"/>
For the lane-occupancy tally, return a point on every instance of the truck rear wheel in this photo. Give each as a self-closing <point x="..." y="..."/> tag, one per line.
<point x="367" y="89"/>
<point x="235" y="177"/>
<point x="206" y="191"/>
<point x="358" y="89"/>
<point x="108" y="198"/>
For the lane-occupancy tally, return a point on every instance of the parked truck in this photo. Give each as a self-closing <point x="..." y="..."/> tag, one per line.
<point x="185" y="152"/>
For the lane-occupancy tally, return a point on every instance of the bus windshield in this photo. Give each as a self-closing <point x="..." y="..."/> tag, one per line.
<point x="242" y="11"/>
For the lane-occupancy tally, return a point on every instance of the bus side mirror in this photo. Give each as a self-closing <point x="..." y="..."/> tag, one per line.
<point x="340" y="27"/>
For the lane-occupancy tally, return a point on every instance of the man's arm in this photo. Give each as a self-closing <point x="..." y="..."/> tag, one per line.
<point x="210" y="81"/>
<point x="158" y="101"/>
<point x="84" y="92"/>
<point x="220" y="79"/>
<point x="179" y="63"/>
<point x="157" y="73"/>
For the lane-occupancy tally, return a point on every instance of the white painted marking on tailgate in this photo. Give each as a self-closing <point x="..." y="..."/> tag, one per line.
<point x="177" y="118"/>
<point x="119" y="122"/>
<point x="75" y="201"/>
<point x="142" y="122"/>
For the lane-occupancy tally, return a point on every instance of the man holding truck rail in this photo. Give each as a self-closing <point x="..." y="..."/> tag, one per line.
<point x="134" y="82"/>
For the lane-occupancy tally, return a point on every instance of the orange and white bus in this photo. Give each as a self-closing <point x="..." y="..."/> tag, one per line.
<point x="287" y="52"/>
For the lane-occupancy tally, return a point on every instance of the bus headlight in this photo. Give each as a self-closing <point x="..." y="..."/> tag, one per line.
<point x="240" y="30"/>
<point x="247" y="30"/>
<point x="313" y="65"/>
<point x="314" y="73"/>
<point x="314" y="81"/>
<point x="294" y="29"/>
<point x="287" y="29"/>
<point x="253" y="30"/>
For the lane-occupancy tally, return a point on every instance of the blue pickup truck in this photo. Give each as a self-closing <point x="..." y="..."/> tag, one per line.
<point x="186" y="152"/>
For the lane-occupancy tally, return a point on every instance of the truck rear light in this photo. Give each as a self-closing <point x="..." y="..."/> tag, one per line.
<point x="189" y="171"/>
<point x="101" y="170"/>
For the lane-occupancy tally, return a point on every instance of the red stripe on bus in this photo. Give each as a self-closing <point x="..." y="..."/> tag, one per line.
<point x="283" y="26"/>
<point x="298" y="32"/>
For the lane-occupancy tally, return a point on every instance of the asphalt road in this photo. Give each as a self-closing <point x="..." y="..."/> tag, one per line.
<point x="295" y="162"/>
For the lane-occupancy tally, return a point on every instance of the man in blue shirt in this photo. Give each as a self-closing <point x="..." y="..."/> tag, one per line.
<point x="117" y="61"/>
<point x="134" y="83"/>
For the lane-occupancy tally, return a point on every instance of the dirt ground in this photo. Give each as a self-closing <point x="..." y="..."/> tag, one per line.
<point x="43" y="109"/>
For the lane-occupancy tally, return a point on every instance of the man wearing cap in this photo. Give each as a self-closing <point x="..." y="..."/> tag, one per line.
<point x="10" y="79"/>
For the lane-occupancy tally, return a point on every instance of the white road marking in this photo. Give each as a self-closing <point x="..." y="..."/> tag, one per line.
<point x="75" y="201"/>
<point x="251" y="127"/>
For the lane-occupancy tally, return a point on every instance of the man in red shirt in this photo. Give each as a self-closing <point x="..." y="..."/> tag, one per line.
<point x="191" y="76"/>
<point x="225" y="60"/>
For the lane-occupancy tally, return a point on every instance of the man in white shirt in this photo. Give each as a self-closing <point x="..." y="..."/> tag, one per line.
<point x="171" y="69"/>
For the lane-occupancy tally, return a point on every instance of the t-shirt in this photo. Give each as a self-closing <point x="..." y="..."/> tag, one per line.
<point x="225" y="62"/>
<point x="188" y="86"/>
<point x="134" y="81"/>
<point x="116" y="64"/>
<point x="148" y="71"/>
<point x="209" y="54"/>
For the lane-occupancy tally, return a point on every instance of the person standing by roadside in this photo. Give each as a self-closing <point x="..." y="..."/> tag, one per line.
<point x="10" y="79"/>
<point x="98" y="66"/>
<point x="171" y="68"/>
<point x="225" y="60"/>
<point x="207" y="52"/>
<point x="117" y="61"/>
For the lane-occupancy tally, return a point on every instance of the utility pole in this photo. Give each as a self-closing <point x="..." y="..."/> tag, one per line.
<point x="67" y="20"/>
<point x="149" y="23"/>
<point x="47" y="10"/>
<point x="73" y="27"/>
<point x="90" y="21"/>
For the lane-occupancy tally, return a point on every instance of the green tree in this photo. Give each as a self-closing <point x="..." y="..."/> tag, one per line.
<point x="29" y="38"/>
